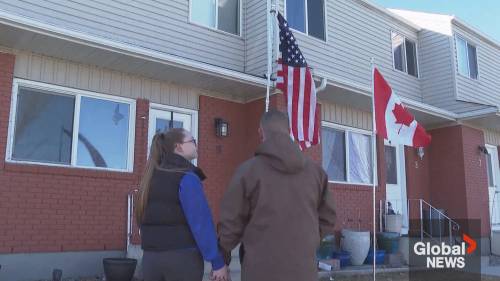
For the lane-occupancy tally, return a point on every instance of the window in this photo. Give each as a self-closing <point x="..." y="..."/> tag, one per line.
<point x="404" y="52"/>
<point x="391" y="170"/>
<point x="164" y="125"/>
<point x="219" y="14"/>
<point x="347" y="155"/>
<point x="466" y="58"/>
<point x="44" y="127"/>
<point x="360" y="158"/>
<point x="59" y="126"/>
<point x="334" y="151"/>
<point x="307" y="16"/>
<point x="489" y="169"/>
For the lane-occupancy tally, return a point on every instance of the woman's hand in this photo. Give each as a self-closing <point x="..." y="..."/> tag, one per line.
<point x="220" y="274"/>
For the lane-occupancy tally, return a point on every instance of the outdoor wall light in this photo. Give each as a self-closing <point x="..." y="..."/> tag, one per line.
<point x="482" y="149"/>
<point x="221" y="127"/>
<point x="420" y="152"/>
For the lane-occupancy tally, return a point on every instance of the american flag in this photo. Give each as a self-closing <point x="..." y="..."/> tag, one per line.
<point x="295" y="80"/>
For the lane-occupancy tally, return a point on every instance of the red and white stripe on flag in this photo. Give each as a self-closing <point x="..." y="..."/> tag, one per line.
<point x="298" y="87"/>
<point x="294" y="79"/>
<point x="393" y="121"/>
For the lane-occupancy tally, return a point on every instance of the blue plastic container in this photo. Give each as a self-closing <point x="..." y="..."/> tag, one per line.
<point x="344" y="257"/>
<point x="379" y="257"/>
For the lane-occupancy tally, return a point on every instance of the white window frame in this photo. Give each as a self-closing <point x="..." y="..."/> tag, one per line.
<point x="78" y="94"/>
<point x="216" y="28"/>
<point x="467" y="43"/>
<point x="307" y="22"/>
<point x="404" y="52"/>
<point x="347" y="130"/>
<point x="192" y="113"/>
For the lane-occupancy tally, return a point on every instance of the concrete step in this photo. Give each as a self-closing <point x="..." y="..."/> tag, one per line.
<point x="394" y="260"/>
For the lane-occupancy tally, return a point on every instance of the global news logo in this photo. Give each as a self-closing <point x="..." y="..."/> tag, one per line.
<point x="446" y="256"/>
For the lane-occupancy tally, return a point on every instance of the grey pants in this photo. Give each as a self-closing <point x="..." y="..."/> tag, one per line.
<point x="178" y="265"/>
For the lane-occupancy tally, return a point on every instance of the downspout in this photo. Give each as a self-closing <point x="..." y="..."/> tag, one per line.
<point x="322" y="86"/>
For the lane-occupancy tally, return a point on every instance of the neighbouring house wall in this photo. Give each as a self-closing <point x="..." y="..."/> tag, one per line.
<point x="458" y="177"/>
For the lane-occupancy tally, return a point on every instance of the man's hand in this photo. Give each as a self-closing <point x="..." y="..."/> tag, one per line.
<point x="226" y="255"/>
<point x="220" y="274"/>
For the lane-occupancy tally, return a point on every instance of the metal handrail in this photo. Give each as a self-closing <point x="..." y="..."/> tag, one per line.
<point x="130" y="210"/>
<point x="452" y="225"/>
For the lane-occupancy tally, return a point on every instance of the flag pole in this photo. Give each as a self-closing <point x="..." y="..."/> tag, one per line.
<point x="270" y="32"/>
<point x="374" y="161"/>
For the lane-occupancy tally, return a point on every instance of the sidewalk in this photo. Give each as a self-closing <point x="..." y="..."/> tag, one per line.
<point x="487" y="269"/>
<point x="382" y="273"/>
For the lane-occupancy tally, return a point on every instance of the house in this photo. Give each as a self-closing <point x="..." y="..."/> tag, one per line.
<point x="85" y="84"/>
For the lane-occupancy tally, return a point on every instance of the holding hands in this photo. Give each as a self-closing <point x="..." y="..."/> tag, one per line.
<point x="220" y="274"/>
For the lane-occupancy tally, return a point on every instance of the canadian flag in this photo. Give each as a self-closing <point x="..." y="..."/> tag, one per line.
<point x="393" y="121"/>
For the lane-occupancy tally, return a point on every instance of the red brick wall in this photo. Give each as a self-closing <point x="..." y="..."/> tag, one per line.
<point x="141" y="136"/>
<point x="417" y="174"/>
<point x="6" y="77"/>
<point x="458" y="177"/>
<point x="51" y="209"/>
<point x="447" y="171"/>
<point x="476" y="178"/>
<point x="219" y="157"/>
<point x="417" y="179"/>
<point x="253" y="113"/>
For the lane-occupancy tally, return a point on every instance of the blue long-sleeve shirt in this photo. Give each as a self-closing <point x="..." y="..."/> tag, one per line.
<point x="199" y="218"/>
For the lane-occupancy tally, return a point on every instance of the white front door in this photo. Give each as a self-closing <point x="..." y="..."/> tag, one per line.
<point x="396" y="200"/>
<point x="163" y="118"/>
<point x="493" y="171"/>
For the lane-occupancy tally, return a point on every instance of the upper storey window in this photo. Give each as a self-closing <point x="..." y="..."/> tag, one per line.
<point x="404" y="53"/>
<point x="466" y="58"/>
<point x="307" y="16"/>
<point x="223" y="15"/>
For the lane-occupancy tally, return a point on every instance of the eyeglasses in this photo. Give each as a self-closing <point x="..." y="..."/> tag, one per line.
<point x="193" y="140"/>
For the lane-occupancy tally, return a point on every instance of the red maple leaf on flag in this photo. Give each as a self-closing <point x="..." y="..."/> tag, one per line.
<point x="403" y="117"/>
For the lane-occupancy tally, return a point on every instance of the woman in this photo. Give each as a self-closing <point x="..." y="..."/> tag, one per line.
<point x="173" y="214"/>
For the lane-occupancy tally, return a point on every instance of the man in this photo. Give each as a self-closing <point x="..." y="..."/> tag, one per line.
<point x="278" y="206"/>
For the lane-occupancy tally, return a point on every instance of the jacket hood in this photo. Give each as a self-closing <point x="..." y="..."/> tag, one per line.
<point x="282" y="153"/>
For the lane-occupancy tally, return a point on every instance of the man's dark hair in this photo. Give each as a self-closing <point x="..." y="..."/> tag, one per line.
<point x="274" y="121"/>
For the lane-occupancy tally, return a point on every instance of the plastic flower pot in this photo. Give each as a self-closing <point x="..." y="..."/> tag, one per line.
<point x="119" y="269"/>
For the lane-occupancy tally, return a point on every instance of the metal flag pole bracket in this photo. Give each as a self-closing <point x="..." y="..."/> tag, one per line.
<point x="272" y="78"/>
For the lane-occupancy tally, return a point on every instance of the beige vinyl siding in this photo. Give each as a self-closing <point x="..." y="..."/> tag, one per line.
<point x="346" y="116"/>
<point x="91" y="78"/>
<point x="436" y="69"/>
<point x="160" y="25"/>
<point x="255" y="37"/>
